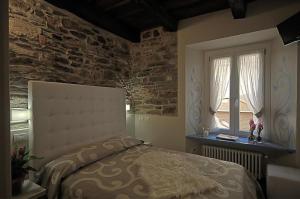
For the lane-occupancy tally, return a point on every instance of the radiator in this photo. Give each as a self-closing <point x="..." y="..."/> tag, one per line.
<point x="250" y="160"/>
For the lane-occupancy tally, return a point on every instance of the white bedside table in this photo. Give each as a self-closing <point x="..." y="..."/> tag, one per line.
<point x="30" y="190"/>
<point x="283" y="182"/>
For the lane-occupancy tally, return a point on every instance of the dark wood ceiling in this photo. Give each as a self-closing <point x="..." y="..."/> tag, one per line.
<point x="127" y="18"/>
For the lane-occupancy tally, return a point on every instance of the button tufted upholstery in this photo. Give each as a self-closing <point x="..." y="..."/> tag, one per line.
<point x="65" y="116"/>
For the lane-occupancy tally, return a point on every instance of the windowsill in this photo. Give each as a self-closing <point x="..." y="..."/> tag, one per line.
<point x="242" y="143"/>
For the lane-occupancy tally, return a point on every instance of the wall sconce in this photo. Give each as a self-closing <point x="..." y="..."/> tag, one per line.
<point x="19" y="115"/>
<point x="127" y="107"/>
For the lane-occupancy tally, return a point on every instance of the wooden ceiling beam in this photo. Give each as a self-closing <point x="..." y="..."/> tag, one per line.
<point x="198" y="8"/>
<point x="99" y="18"/>
<point x="123" y="11"/>
<point x="117" y="5"/>
<point x="159" y="12"/>
<point x="238" y="8"/>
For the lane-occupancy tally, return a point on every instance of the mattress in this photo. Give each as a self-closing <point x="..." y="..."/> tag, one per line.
<point x="111" y="169"/>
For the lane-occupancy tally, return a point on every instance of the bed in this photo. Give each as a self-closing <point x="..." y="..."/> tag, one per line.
<point x="80" y="131"/>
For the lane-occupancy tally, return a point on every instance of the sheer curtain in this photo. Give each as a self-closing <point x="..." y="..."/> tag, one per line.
<point x="251" y="81"/>
<point x="219" y="83"/>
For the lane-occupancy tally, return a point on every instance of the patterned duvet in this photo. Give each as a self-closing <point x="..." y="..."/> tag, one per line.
<point x="109" y="170"/>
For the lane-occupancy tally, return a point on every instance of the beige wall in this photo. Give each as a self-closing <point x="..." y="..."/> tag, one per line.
<point x="167" y="132"/>
<point x="260" y="15"/>
<point x="170" y="131"/>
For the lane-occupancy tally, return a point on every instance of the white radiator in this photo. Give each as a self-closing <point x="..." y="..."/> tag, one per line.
<point x="250" y="160"/>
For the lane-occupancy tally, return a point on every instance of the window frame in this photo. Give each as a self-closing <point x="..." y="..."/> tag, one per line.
<point x="234" y="52"/>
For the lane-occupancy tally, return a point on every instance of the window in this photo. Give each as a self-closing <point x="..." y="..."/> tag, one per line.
<point x="236" y="83"/>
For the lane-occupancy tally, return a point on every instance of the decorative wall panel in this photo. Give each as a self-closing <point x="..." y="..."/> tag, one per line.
<point x="283" y="94"/>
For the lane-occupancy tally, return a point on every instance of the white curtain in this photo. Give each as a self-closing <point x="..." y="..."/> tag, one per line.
<point x="219" y="84"/>
<point x="251" y="81"/>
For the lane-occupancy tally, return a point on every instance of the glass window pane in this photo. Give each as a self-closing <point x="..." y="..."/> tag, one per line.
<point x="251" y="88"/>
<point x="223" y="114"/>
<point x="219" y="94"/>
<point x="245" y="115"/>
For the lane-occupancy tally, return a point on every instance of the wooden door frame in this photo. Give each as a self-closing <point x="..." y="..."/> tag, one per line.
<point x="5" y="179"/>
<point x="298" y="109"/>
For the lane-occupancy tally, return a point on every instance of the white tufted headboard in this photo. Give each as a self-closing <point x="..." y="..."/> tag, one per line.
<point x="65" y="116"/>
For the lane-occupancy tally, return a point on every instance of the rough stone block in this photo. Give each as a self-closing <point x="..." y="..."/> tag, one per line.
<point x="50" y="44"/>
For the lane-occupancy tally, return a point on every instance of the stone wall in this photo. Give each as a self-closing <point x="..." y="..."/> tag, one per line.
<point x="154" y="76"/>
<point x="50" y="44"/>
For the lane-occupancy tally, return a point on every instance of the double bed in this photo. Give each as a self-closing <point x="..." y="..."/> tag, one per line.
<point x="80" y="131"/>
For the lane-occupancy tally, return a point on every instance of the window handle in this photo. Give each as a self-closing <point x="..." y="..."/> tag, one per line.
<point x="236" y="103"/>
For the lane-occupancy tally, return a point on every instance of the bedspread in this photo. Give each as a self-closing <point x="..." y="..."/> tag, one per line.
<point x="110" y="170"/>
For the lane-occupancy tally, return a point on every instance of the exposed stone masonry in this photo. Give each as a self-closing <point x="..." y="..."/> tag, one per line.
<point x="154" y="77"/>
<point x="47" y="44"/>
<point x="50" y="44"/>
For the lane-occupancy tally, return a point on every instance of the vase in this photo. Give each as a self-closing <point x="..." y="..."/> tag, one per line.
<point x="259" y="138"/>
<point x="251" y="137"/>
<point x="17" y="185"/>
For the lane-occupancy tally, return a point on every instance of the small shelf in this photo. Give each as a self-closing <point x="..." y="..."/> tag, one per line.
<point x="242" y="143"/>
